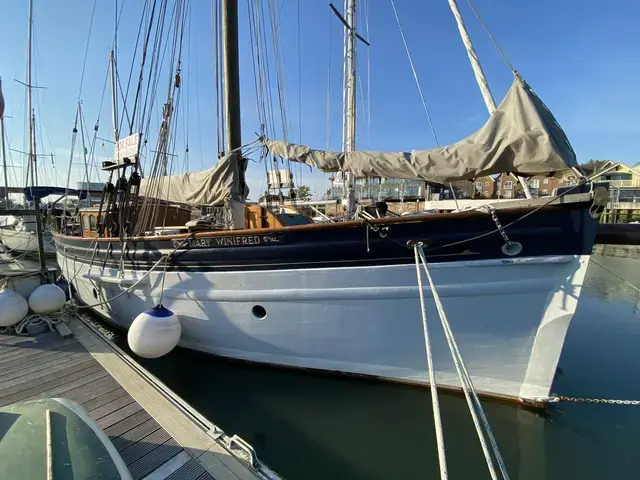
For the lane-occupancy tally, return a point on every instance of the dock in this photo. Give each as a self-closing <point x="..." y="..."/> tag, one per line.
<point x="157" y="434"/>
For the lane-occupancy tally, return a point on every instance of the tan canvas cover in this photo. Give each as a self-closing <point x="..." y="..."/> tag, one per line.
<point x="213" y="186"/>
<point x="521" y="137"/>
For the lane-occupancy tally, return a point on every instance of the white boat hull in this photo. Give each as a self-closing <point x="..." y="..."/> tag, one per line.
<point x="22" y="241"/>
<point x="509" y="317"/>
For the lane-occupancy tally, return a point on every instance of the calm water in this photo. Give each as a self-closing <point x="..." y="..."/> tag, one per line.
<point x="318" y="427"/>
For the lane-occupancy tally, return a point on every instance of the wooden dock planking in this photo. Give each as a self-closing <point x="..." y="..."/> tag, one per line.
<point x="154" y="442"/>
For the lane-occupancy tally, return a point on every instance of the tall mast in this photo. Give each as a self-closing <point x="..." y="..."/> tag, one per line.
<point x="231" y="85"/>
<point x="231" y="103"/>
<point x="231" y="74"/>
<point x="3" y="139"/>
<point x="481" y="79"/>
<point x="349" y="99"/>
<point x="29" y="108"/>
<point x="114" y="97"/>
<point x="34" y="154"/>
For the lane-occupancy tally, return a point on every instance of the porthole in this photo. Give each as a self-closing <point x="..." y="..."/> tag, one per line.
<point x="259" y="312"/>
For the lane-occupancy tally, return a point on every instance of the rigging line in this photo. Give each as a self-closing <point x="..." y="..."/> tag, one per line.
<point x="415" y="74"/>
<point x="366" y="25"/>
<point x="84" y="145"/>
<point x="362" y="98"/>
<point x="215" y="32"/>
<point x="493" y="39"/>
<point x="185" y="117"/>
<point x="198" y="111"/>
<point x="299" y="75"/>
<point x="86" y="49"/>
<point x="280" y="82"/>
<point x="265" y="65"/>
<point x="156" y="80"/>
<point x="142" y="60"/>
<point x="125" y="110"/>
<point x="149" y="96"/>
<point x="328" y="119"/>
<point x="90" y="163"/>
<point x="257" y="80"/>
<point x="299" y="165"/>
<point x="137" y="45"/>
<point x="616" y="275"/>
<point x="154" y="69"/>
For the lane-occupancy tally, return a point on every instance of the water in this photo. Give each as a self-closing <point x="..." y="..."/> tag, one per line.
<point x="320" y="427"/>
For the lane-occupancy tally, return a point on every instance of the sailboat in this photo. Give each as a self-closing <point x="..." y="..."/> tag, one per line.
<point x="252" y="283"/>
<point x="18" y="234"/>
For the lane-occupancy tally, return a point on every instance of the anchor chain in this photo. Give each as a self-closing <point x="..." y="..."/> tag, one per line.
<point x="494" y="217"/>
<point x="510" y="247"/>
<point x="610" y="401"/>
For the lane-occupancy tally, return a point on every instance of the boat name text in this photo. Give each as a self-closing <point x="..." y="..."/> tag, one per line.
<point x="231" y="241"/>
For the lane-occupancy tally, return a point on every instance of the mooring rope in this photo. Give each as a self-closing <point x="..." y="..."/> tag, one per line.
<point x="475" y="408"/>
<point x="437" y="420"/>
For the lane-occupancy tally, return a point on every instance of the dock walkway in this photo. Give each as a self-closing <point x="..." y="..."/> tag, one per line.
<point x="156" y="433"/>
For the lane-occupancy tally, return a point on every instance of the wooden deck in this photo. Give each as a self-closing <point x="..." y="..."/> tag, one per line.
<point x="157" y="441"/>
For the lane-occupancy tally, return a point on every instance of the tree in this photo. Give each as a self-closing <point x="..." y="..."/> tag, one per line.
<point x="302" y="193"/>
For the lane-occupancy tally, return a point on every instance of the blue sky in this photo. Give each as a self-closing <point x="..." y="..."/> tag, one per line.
<point x="582" y="58"/>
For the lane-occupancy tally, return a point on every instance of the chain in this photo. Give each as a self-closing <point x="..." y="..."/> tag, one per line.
<point x="494" y="216"/>
<point x="562" y="398"/>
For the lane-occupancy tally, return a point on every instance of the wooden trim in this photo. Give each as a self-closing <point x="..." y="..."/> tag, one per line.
<point x="514" y="206"/>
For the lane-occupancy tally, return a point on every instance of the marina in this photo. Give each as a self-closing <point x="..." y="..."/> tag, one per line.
<point x="448" y="292"/>
<point x="157" y="435"/>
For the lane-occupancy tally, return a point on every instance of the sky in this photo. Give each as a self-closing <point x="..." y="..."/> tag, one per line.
<point x="581" y="58"/>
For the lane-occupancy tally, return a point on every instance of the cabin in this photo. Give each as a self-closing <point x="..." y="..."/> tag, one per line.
<point x="174" y="218"/>
<point x="258" y="216"/>
<point x="166" y="216"/>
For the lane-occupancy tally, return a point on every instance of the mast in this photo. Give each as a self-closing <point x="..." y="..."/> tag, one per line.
<point x="114" y="98"/>
<point x="34" y="155"/>
<point x="481" y="79"/>
<point x="231" y="74"/>
<point x="231" y="93"/>
<point x="29" y="108"/>
<point x="349" y="99"/>
<point x="3" y="139"/>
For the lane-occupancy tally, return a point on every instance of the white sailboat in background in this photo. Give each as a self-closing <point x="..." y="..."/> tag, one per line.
<point x="343" y="296"/>
<point x="18" y="234"/>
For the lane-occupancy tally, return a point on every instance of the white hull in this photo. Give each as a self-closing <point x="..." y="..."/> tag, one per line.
<point x="509" y="316"/>
<point x="22" y="241"/>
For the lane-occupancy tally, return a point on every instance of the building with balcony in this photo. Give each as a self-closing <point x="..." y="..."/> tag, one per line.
<point x="618" y="175"/>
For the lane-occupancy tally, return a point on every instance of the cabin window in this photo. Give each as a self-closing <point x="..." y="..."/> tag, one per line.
<point x="92" y="222"/>
<point x="85" y="222"/>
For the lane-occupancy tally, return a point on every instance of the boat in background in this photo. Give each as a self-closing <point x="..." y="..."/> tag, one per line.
<point x="55" y="438"/>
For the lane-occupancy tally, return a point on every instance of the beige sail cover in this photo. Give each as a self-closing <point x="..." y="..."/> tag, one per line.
<point x="521" y="137"/>
<point x="213" y="186"/>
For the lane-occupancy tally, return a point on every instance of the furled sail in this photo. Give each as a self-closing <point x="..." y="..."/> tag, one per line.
<point x="214" y="186"/>
<point x="521" y="137"/>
